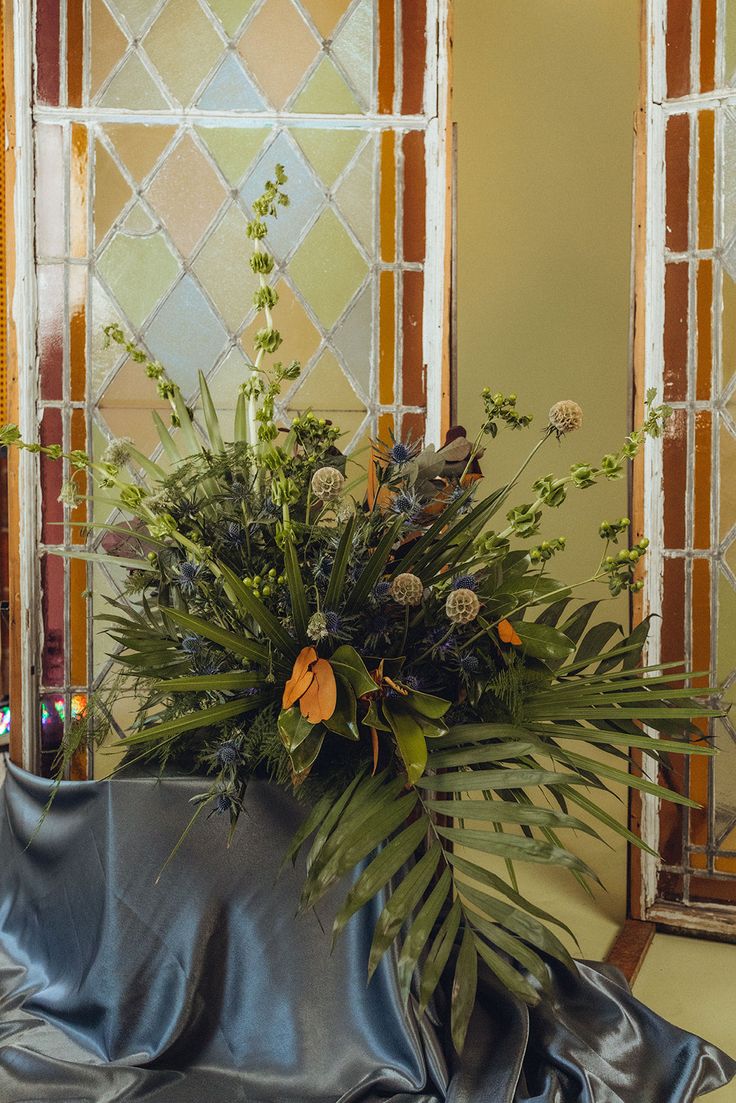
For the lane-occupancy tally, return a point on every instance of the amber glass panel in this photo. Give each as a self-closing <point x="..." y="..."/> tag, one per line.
<point x="706" y="178"/>
<point x="414" y="392"/>
<point x="414" y="36"/>
<point x="704" y="367"/>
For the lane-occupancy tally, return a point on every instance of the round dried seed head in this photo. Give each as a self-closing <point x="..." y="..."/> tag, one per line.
<point x="327" y="484"/>
<point x="462" y="606"/>
<point x="565" y="417"/>
<point x="407" y="589"/>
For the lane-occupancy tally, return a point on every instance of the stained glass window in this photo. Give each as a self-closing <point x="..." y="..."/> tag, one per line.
<point x="155" y="123"/>
<point x="690" y="502"/>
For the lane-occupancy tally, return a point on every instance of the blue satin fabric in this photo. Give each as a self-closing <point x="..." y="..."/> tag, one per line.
<point x="205" y="987"/>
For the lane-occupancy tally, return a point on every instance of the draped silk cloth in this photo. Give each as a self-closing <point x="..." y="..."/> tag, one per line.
<point x="205" y="987"/>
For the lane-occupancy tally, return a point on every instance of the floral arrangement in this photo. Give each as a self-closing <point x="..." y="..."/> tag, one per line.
<point x="391" y="645"/>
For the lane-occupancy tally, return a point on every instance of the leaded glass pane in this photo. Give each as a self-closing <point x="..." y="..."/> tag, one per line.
<point x="143" y="197"/>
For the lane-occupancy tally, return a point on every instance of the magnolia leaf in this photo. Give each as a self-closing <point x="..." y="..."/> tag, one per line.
<point x="410" y="740"/>
<point x="347" y="662"/>
<point x="542" y="641"/>
<point x="427" y="704"/>
<point x="344" y="719"/>
<point x="293" y="728"/>
<point x="304" y="756"/>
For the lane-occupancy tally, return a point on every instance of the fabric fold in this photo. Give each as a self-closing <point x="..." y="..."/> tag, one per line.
<point x="207" y="985"/>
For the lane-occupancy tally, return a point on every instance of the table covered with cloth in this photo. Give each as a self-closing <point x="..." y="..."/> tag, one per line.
<point x="208" y="988"/>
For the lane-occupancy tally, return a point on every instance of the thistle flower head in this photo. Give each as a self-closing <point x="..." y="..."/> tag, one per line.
<point x="327" y="484"/>
<point x="462" y="606"/>
<point x="228" y="753"/>
<point x="117" y="452"/>
<point x="381" y="590"/>
<point x="407" y="589"/>
<point x="565" y="417"/>
<point x="188" y="576"/>
<point x="465" y="582"/>
<point x="407" y="504"/>
<point x="401" y="453"/>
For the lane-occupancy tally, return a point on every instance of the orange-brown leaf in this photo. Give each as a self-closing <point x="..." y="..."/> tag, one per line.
<point x="324" y="676"/>
<point x="508" y="634"/>
<point x="301" y="677"/>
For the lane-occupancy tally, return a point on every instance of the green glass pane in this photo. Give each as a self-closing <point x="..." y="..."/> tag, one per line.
<point x="328" y="269"/>
<point x="231" y="13"/>
<point x="726" y="658"/>
<point x="327" y="92"/>
<point x="233" y="148"/>
<point x="138" y="271"/>
<point x="223" y="270"/>
<point x="133" y="88"/>
<point x="184" y="46"/>
<point x="353" y="48"/>
<point x="328" y="151"/>
<point x="354" y="197"/>
<point x="134" y="12"/>
<point x="104" y="356"/>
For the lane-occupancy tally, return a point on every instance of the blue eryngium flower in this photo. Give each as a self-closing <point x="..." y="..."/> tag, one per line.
<point x="188" y="577"/>
<point x="465" y="582"/>
<point x="407" y="504"/>
<point x="401" y="453"/>
<point x="228" y="753"/>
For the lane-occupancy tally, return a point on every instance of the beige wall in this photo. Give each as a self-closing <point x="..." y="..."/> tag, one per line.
<point x="545" y="94"/>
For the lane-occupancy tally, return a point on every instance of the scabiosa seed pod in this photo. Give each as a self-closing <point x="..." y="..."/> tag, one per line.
<point x="407" y="589"/>
<point x="327" y="483"/>
<point x="565" y="417"/>
<point x="462" y="606"/>
<point x="466" y="582"/>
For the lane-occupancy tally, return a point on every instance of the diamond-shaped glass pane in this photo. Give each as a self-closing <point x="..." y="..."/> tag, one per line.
<point x="187" y="193"/>
<point x="183" y="45"/>
<point x="278" y="48"/>
<point x="328" y="268"/>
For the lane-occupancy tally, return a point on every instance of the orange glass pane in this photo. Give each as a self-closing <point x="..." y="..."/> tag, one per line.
<point x="705" y="330"/>
<point x="387" y="359"/>
<point x="74" y="51"/>
<point x="78" y="191"/>
<point x="78" y="333"/>
<point x="387" y="56"/>
<point x="414" y="387"/>
<point x="415" y="197"/>
<point x="703" y="474"/>
<point x="388" y="197"/>
<point x="706" y="177"/>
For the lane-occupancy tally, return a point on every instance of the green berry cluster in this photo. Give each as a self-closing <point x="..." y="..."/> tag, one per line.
<point x="611" y="530"/>
<point x="621" y="569"/>
<point x="264" y="585"/>
<point x="500" y="407"/>
<point x="547" y="549"/>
